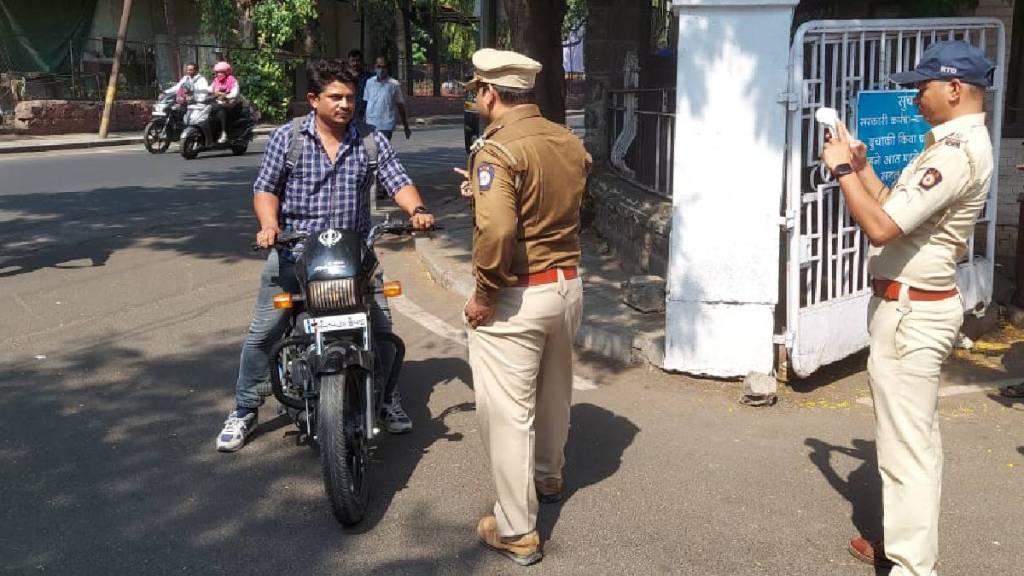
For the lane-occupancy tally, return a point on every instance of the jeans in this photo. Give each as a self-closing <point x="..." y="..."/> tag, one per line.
<point x="269" y="325"/>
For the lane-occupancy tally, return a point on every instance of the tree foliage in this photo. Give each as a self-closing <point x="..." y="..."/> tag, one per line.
<point x="263" y="70"/>
<point x="457" y="42"/>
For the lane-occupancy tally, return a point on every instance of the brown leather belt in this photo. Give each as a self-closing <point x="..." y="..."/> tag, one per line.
<point x="547" y="276"/>
<point x="890" y="290"/>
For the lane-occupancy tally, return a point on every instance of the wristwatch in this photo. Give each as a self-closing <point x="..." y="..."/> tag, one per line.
<point x="422" y="210"/>
<point x="842" y="170"/>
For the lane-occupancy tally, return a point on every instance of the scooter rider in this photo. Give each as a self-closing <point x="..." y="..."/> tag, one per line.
<point x="226" y="94"/>
<point x="325" y="188"/>
<point x="192" y="81"/>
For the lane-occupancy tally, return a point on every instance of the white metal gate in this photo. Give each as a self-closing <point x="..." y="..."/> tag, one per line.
<point x="826" y="268"/>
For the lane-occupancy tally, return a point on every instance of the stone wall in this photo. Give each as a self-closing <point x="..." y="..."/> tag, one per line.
<point x="635" y="223"/>
<point x="1011" y="185"/>
<point x="66" y="117"/>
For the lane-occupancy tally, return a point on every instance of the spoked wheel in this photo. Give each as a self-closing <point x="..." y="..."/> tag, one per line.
<point x="190" y="146"/>
<point x="155" y="137"/>
<point x="344" y="453"/>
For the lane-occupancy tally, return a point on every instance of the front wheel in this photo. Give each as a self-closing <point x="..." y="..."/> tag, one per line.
<point x="155" y="137"/>
<point x="344" y="453"/>
<point x="190" y="145"/>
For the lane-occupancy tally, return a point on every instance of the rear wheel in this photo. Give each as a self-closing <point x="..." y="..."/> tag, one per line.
<point x="155" y="138"/>
<point x="190" y="146"/>
<point x="344" y="453"/>
<point x="239" y="149"/>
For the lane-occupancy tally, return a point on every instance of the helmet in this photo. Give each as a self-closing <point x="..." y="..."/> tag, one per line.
<point x="222" y="67"/>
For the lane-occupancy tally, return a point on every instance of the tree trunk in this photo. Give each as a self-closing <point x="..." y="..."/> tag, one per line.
<point x="403" y="42"/>
<point x="309" y="40"/>
<point x="435" y="54"/>
<point x="245" y="28"/>
<point x="536" y="31"/>
<point x="172" y="37"/>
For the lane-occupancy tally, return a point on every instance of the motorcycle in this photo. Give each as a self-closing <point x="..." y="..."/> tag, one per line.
<point x="203" y="129"/>
<point x="165" y="126"/>
<point x="329" y="370"/>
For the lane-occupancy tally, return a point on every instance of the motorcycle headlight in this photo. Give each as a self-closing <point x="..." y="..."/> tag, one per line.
<point x="332" y="295"/>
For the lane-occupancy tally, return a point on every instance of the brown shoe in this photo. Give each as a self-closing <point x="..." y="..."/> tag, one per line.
<point x="869" y="552"/>
<point x="549" y="490"/>
<point x="523" y="550"/>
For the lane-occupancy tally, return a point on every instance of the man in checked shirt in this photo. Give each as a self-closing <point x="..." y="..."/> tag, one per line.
<point x="325" y="189"/>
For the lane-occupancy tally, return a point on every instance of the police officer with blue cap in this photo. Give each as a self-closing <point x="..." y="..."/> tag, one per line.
<point x="919" y="231"/>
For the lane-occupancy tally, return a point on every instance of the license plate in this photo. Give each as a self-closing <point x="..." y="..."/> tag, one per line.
<point x="334" y="323"/>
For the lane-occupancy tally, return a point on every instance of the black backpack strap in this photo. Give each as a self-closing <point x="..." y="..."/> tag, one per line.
<point x="294" y="146"/>
<point x="370" y="143"/>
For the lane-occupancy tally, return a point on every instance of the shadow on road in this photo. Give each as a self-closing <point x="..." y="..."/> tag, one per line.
<point x="597" y="440"/>
<point x="48" y="227"/>
<point x="109" y="452"/>
<point x="396" y="457"/>
<point x="862" y="489"/>
<point x="63" y="230"/>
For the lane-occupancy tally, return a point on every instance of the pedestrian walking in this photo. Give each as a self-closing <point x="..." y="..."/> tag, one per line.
<point x="526" y="177"/>
<point x="385" y="103"/>
<point x="358" y="66"/>
<point x="919" y="231"/>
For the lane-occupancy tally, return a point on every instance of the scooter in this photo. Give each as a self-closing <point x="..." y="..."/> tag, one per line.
<point x="203" y="129"/>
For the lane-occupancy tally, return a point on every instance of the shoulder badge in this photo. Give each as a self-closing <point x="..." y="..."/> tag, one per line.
<point x="931" y="177"/>
<point x="954" y="140"/>
<point x="485" y="176"/>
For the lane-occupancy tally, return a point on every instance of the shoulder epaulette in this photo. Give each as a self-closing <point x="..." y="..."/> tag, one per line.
<point x="955" y="140"/>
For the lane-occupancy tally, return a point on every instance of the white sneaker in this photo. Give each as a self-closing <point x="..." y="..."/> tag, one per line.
<point x="232" y="437"/>
<point x="396" y="421"/>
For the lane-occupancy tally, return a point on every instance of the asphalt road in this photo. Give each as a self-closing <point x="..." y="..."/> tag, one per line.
<point x="128" y="287"/>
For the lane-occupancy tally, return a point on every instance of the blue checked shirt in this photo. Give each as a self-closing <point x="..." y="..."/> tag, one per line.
<point x="318" y="195"/>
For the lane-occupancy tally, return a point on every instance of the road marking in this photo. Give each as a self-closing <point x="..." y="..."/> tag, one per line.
<point x="432" y="323"/>
<point x="961" y="389"/>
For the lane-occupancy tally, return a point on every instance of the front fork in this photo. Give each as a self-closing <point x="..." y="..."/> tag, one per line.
<point x="370" y="405"/>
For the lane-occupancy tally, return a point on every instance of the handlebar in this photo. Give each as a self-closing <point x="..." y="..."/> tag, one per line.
<point x="284" y="240"/>
<point x="287" y="240"/>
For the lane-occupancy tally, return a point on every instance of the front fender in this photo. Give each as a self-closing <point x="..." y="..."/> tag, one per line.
<point x="339" y="357"/>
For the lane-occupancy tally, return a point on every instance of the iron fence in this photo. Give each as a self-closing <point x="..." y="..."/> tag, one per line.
<point x="642" y="129"/>
<point x="145" y="68"/>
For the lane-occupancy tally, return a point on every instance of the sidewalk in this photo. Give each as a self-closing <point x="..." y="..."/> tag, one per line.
<point x="610" y="328"/>
<point x="21" y="143"/>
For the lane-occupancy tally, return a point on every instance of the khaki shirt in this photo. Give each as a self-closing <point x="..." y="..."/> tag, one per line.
<point x="527" y="176"/>
<point x="936" y="203"/>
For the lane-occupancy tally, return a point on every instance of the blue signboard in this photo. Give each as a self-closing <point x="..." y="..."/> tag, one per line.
<point x="890" y="125"/>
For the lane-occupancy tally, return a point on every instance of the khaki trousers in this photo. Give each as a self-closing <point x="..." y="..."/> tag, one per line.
<point x="522" y="376"/>
<point x="909" y="341"/>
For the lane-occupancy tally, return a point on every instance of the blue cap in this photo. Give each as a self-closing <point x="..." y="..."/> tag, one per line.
<point x="948" y="60"/>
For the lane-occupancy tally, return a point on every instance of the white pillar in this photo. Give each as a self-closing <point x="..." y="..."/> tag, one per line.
<point x="729" y="154"/>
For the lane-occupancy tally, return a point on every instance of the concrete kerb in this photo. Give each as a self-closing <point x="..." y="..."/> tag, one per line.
<point x="447" y="120"/>
<point x="96" y="142"/>
<point x="622" y="346"/>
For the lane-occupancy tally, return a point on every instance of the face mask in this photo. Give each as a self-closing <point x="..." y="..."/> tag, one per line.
<point x="382" y="72"/>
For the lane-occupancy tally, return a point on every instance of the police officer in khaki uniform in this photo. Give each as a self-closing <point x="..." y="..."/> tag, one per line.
<point x="526" y="177"/>
<point x="919" y="231"/>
